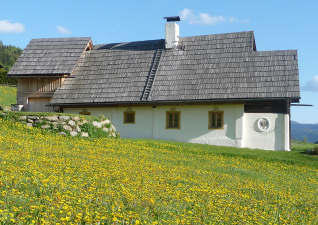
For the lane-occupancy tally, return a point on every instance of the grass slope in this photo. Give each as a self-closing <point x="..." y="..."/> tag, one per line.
<point x="8" y="96"/>
<point x="46" y="178"/>
<point x="296" y="156"/>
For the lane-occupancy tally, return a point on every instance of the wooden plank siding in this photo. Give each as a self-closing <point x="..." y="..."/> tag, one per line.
<point x="39" y="85"/>
<point x="39" y="105"/>
<point x="274" y="106"/>
<point x="36" y="88"/>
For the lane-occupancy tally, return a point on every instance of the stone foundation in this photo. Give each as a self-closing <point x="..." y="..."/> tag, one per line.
<point x="66" y="124"/>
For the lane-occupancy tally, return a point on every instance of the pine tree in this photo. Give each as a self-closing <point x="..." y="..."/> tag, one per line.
<point x="8" y="55"/>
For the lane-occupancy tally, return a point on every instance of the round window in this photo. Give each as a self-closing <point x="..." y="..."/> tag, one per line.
<point x="264" y="124"/>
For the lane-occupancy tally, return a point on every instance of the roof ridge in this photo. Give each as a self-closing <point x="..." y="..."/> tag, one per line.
<point x="240" y="32"/>
<point x="126" y="42"/>
<point x="65" y="38"/>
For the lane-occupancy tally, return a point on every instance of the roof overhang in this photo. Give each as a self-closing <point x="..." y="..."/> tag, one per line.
<point x="40" y="76"/>
<point x="301" y="105"/>
<point x="161" y="103"/>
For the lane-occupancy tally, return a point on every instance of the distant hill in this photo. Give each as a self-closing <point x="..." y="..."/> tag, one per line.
<point x="8" y="55"/>
<point x="299" y="131"/>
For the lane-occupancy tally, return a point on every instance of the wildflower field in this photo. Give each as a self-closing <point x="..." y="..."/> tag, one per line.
<point x="50" y="179"/>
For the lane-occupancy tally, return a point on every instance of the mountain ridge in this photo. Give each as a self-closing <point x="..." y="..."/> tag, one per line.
<point x="301" y="132"/>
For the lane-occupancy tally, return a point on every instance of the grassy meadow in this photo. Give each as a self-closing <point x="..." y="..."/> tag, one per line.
<point x="8" y="96"/>
<point x="51" y="179"/>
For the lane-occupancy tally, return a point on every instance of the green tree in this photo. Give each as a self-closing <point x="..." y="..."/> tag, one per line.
<point x="8" y="55"/>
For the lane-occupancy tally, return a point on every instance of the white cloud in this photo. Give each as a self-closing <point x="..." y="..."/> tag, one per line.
<point x="235" y="20"/>
<point x="186" y="14"/>
<point x="7" y="27"/>
<point x="311" y="85"/>
<point x="205" y="18"/>
<point x="63" y="30"/>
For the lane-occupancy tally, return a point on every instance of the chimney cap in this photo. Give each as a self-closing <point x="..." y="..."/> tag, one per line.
<point x="172" y="18"/>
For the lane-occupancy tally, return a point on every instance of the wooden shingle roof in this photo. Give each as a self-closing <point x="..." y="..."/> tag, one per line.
<point x="50" y="56"/>
<point x="109" y="73"/>
<point x="209" y="67"/>
<point x="225" y="66"/>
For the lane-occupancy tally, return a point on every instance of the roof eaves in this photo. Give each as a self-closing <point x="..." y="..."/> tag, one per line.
<point x="172" y="102"/>
<point x="57" y="75"/>
<point x="41" y="76"/>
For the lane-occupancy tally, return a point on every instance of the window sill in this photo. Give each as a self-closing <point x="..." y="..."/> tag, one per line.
<point x="173" y="128"/>
<point x="216" y="128"/>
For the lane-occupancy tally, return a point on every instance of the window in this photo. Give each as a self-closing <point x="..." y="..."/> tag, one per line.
<point x="173" y="120"/>
<point x="129" y="117"/>
<point x="215" y="120"/>
<point x="85" y="112"/>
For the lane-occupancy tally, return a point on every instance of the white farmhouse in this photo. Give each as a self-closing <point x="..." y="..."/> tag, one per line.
<point x="211" y="89"/>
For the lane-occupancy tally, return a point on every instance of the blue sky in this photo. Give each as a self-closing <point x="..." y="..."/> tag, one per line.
<point x="277" y="25"/>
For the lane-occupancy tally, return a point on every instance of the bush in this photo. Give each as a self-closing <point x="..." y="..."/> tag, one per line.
<point x="93" y="131"/>
<point x="7" y="81"/>
<point x="102" y="117"/>
<point x="316" y="149"/>
<point x="87" y="127"/>
<point x="60" y="128"/>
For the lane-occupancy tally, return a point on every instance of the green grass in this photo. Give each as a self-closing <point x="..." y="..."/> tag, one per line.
<point x="295" y="156"/>
<point x="47" y="178"/>
<point x="8" y="96"/>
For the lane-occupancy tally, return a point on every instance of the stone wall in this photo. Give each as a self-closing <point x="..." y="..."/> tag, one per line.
<point x="65" y="125"/>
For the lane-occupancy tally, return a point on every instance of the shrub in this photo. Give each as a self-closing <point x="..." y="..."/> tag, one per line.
<point x="7" y="81"/>
<point x="102" y="117"/>
<point x="93" y="131"/>
<point x="87" y="127"/>
<point x="60" y="128"/>
<point x="316" y="149"/>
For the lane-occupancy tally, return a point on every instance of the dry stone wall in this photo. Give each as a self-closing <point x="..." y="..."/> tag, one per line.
<point x="68" y="124"/>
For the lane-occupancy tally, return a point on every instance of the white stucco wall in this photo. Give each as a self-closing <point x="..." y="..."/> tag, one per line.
<point x="194" y="125"/>
<point x="275" y="138"/>
<point x="240" y="129"/>
<point x="151" y="123"/>
<point x="171" y="35"/>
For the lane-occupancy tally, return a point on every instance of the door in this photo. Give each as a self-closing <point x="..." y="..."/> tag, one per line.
<point x="39" y="105"/>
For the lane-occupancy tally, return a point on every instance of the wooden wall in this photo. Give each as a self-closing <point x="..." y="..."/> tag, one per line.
<point x="39" y="105"/>
<point x="36" y="88"/>
<point x="274" y="106"/>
